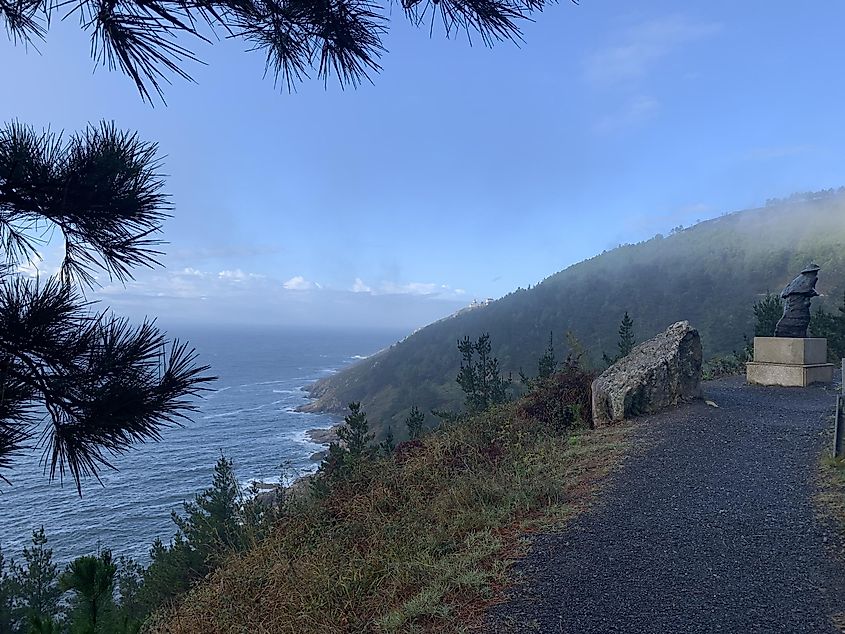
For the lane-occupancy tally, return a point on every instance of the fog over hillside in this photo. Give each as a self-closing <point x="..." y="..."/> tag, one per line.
<point x="710" y="274"/>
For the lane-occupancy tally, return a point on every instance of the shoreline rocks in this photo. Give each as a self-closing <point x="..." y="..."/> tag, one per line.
<point x="324" y="436"/>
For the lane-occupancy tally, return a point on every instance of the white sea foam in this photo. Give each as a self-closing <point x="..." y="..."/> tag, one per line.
<point x="241" y="411"/>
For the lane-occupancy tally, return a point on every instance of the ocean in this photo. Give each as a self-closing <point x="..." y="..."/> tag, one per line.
<point x="250" y="417"/>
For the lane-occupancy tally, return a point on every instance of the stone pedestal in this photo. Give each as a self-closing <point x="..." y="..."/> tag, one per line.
<point x="790" y="362"/>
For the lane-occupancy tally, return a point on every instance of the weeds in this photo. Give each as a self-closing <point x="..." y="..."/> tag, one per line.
<point x="416" y="541"/>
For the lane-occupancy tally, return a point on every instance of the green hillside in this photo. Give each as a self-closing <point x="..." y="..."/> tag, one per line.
<point x="710" y="274"/>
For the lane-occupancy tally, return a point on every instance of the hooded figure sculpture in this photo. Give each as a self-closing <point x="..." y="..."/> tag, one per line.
<point x="796" y="312"/>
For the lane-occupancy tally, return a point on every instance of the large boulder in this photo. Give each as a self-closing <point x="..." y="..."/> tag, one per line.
<point x="658" y="373"/>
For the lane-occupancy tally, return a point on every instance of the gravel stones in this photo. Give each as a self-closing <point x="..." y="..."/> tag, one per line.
<point x="708" y="526"/>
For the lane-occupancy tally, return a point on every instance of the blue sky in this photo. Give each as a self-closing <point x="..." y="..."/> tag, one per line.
<point x="462" y="172"/>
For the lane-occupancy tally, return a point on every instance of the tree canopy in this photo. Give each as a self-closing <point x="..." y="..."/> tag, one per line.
<point x="84" y="385"/>
<point x="148" y="39"/>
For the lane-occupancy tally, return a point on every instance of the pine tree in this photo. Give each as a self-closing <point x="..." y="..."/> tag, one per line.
<point x="479" y="376"/>
<point x="387" y="445"/>
<point x="625" y="343"/>
<point x="626" y="336"/>
<point x="129" y="581"/>
<point x="355" y="432"/>
<point x="101" y="383"/>
<point x="91" y="580"/>
<point x="767" y="314"/>
<point x="547" y="363"/>
<point x="830" y="326"/>
<point x="546" y="367"/>
<point x="37" y="581"/>
<point x="8" y="593"/>
<point x="219" y="521"/>
<point x="414" y="422"/>
<point x="147" y="39"/>
<point x="212" y="523"/>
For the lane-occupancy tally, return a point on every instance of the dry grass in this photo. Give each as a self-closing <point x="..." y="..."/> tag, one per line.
<point x="420" y="542"/>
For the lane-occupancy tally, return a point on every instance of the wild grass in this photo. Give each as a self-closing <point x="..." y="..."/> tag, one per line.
<point x="420" y="541"/>
<point x="830" y="495"/>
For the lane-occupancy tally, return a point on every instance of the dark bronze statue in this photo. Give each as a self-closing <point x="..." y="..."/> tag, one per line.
<point x="796" y="311"/>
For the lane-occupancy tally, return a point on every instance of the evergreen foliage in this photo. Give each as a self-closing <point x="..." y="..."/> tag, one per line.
<point x="387" y="445"/>
<point x="100" y="594"/>
<point x="147" y="39"/>
<point x="36" y="582"/>
<point x="479" y="377"/>
<point x="220" y="521"/>
<point x="8" y="594"/>
<point x="102" y="383"/>
<point x="831" y="326"/>
<point x="546" y="366"/>
<point x="626" y="336"/>
<point x="562" y="400"/>
<point x="90" y="579"/>
<point x="355" y="432"/>
<point x="625" y="343"/>
<point x="414" y="422"/>
<point x="767" y="314"/>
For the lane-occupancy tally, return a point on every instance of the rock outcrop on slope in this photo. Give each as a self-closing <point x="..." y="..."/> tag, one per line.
<point x="658" y="373"/>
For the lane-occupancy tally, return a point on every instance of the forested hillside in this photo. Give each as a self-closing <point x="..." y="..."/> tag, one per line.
<point x="710" y="274"/>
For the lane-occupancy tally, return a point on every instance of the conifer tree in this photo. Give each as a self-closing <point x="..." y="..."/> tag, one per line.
<point x="479" y="375"/>
<point x="767" y="313"/>
<point x="547" y="363"/>
<point x="831" y="326"/>
<point x="625" y="343"/>
<point x="414" y="422"/>
<point x="546" y="367"/>
<point x="91" y="580"/>
<point x="387" y="445"/>
<point x="36" y="582"/>
<point x="355" y="432"/>
<point x="86" y="385"/>
<point x="147" y="39"/>
<point x="212" y="523"/>
<point x="8" y="593"/>
<point x="626" y="336"/>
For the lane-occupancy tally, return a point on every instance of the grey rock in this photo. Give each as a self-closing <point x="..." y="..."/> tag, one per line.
<point x="658" y="373"/>
<point x="796" y="310"/>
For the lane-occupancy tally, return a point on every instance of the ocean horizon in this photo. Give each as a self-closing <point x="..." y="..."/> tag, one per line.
<point x="250" y="417"/>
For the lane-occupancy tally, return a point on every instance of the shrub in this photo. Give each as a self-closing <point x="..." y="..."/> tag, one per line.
<point x="561" y="401"/>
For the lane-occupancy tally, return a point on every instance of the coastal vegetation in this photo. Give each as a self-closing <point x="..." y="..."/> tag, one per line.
<point x="101" y="593"/>
<point x="709" y="273"/>
<point x="421" y="533"/>
<point x="418" y="538"/>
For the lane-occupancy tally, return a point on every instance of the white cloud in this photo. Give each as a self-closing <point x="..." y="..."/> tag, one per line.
<point x="411" y="288"/>
<point x="360" y="287"/>
<point x="635" y="112"/>
<point x="641" y="47"/>
<point x="299" y="283"/>
<point x="235" y="275"/>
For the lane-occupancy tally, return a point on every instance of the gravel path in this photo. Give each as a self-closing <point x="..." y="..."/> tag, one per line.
<point x="708" y="527"/>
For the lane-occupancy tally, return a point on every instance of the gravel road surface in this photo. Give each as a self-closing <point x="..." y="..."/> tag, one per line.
<point x="709" y="526"/>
